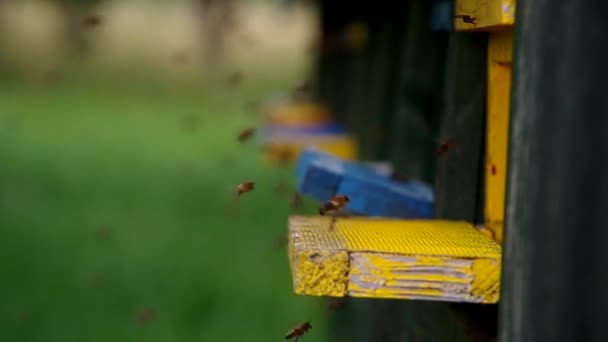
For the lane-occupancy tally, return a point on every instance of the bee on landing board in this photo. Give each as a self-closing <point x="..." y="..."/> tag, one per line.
<point x="244" y="188"/>
<point x="445" y="146"/>
<point x="468" y="19"/>
<point x="334" y="204"/>
<point x="298" y="331"/>
<point x="245" y="134"/>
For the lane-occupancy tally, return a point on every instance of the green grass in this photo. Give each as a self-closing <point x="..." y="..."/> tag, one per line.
<point x="79" y="156"/>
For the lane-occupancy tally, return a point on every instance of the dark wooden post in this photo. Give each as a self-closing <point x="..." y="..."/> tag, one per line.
<point x="554" y="284"/>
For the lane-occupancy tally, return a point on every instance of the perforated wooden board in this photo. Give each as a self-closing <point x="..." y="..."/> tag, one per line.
<point x="402" y="259"/>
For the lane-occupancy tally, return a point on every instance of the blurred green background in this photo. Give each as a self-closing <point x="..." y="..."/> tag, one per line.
<point x="118" y="165"/>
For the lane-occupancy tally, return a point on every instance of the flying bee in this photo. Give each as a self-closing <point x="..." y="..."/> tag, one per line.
<point x="335" y="304"/>
<point x="298" y="331"/>
<point x="245" y="134"/>
<point x="334" y="206"/>
<point x="280" y="241"/>
<point x="102" y="233"/>
<point x="296" y="200"/>
<point x="281" y="189"/>
<point x="399" y="177"/>
<point x="234" y="78"/>
<point x="91" y="21"/>
<point x="244" y="187"/>
<point x="284" y="156"/>
<point x="468" y="19"/>
<point x="336" y="203"/>
<point x="145" y="315"/>
<point x="445" y="146"/>
<point x="302" y="91"/>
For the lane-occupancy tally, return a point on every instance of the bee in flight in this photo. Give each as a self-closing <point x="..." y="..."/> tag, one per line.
<point x="244" y="188"/>
<point x="336" y="203"/>
<point x="296" y="200"/>
<point x="298" y="331"/>
<point x="234" y="78"/>
<point x="245" y="134"/>
<point x="445" y="146"/>
<point x="335" y="304"/>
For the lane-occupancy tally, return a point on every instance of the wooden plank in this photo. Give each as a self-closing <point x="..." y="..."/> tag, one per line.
<point x="555" y="276"/>
<point x="401" y="259"/>
<point x="418" y="108"/>
<point x="459" y="173"/>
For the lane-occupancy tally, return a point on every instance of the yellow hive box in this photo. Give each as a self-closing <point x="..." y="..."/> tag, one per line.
<point x="294" y="114"/>
<point x="344" y="147"/>
<point x="484" y="15"/>
<point x="401" y="259"/>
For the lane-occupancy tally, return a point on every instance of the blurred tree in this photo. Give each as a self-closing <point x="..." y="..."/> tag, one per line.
<point x="79" y="18"/>
<point x="217" y="17"/>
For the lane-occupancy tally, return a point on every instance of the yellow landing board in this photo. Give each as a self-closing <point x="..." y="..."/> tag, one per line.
<point x="399" y="259"/>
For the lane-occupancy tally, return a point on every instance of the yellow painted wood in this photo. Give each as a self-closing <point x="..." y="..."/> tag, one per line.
<point x="343" y="147"/>
<point x="487" y="15"/>
<point x="497" y="129"/>
<point x="297" y="114"/>
<point x="385" y="258"/>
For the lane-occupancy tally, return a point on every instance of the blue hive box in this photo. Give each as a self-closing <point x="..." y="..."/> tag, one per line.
<point x="371" y="193"/>
<point x="318" y="175"/>
<point x="371" y="197"/>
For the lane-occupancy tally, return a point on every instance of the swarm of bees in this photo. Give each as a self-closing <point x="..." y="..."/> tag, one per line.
<point x="298" y="331"/>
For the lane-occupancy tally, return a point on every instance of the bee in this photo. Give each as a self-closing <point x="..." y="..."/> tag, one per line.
<point x="99" y="280"/>
<point x="190" y="123"/>
<point x="304" y="87"/>
<point x="245" y="134"/>
<point x="91" y="21"/>
<point x="181" y="57"/>
<point x="280" y="241"/>
<point x="445" y="146"/>
<point x="145" y="315"/>
<point x="298" y="331"/>
<point x="296" y="200"/>
<point x="399" y="177"/>
<point x="468" y="19"/>
<point x="336" y="203"/>
<point x="244" y="188"/>
<point x="284" y="156"/>
<point x="335" y="304"/>
<point x="24" y="315"/>
<point x="281" y="188"/>
<point x="234" y="78"/>
<point x="102" y="233"/>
